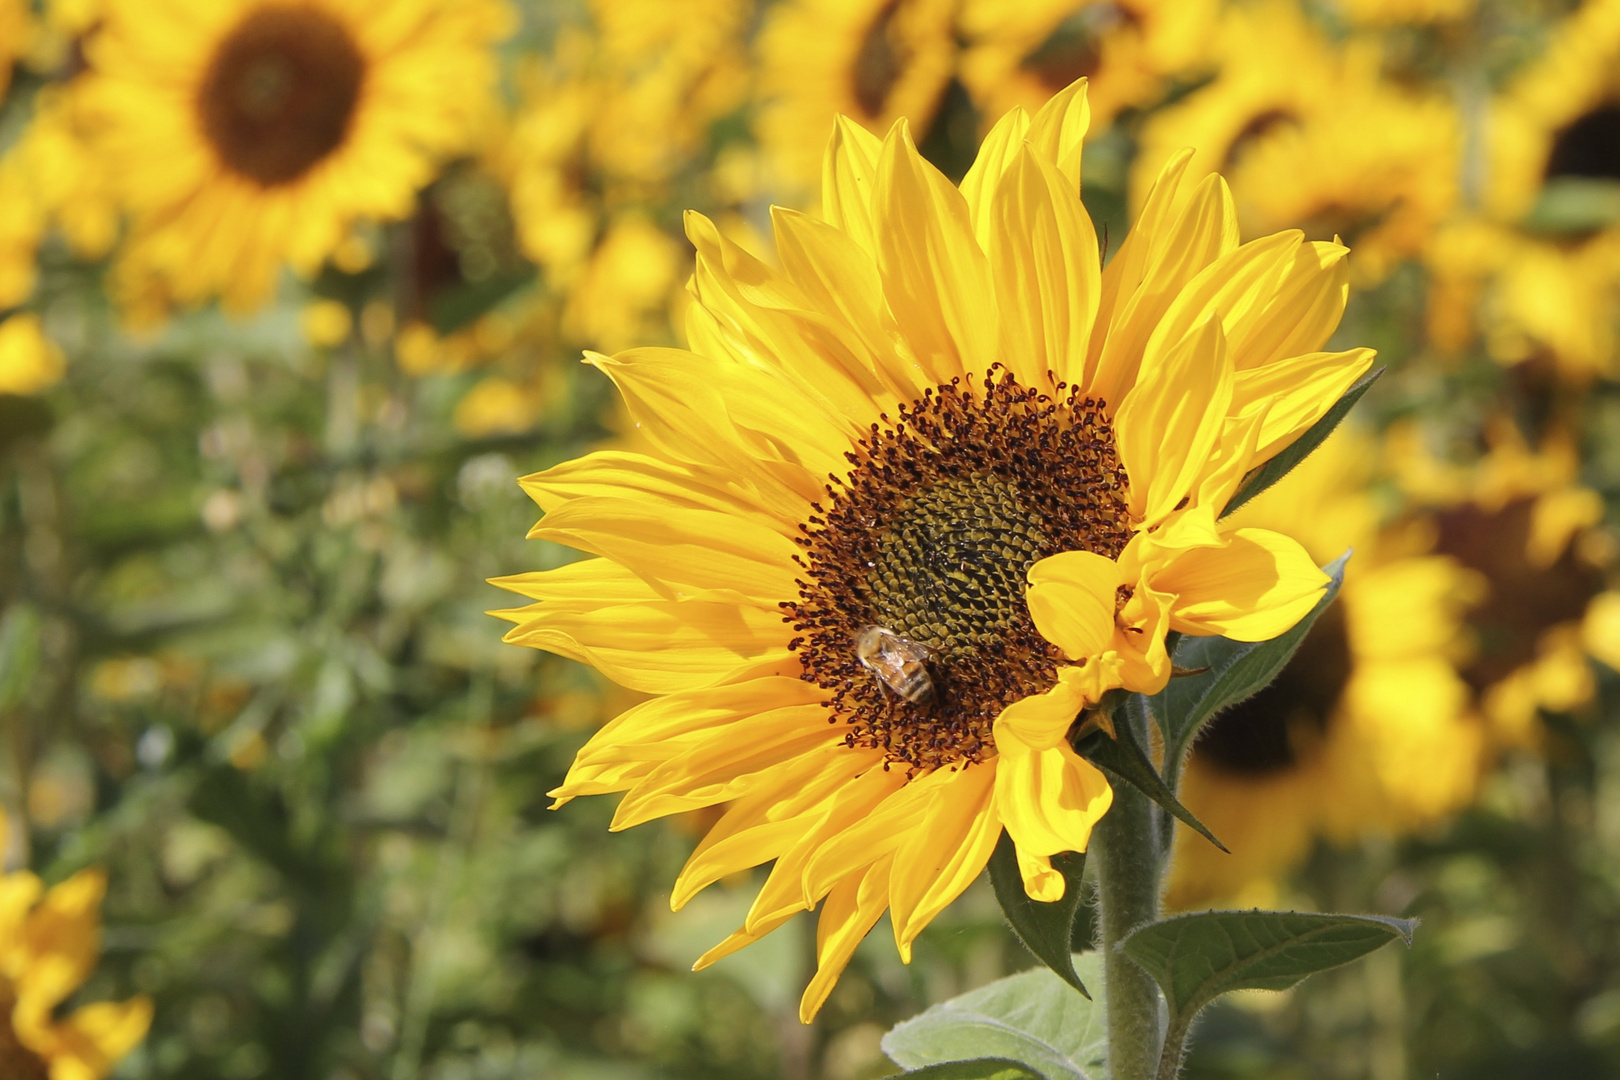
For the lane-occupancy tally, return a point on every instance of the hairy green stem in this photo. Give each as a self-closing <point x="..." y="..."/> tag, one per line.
<point x="1125" y="848"/>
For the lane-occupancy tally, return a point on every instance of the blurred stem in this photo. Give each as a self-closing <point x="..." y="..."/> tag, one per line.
<point x="1125" y="849"/>
<point x="447" y="874"/>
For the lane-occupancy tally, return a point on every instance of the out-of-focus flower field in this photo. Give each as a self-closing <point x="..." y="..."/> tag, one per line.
<point x="296" y="290"/>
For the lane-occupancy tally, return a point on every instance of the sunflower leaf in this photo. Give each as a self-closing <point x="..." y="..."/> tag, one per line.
<point x="978" y="1069"/>
<point x="1235" y="671"/>
<point x="1032" y="1018"/>
<point x="1124" y="759"/>
<point x="1281" y="465"/>
<point x="1195" y="958"/>
<point x="1045" y="928"/>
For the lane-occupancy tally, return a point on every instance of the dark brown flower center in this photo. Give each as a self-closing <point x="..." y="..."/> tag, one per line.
<point x="1271" y="731"/>
<point x="1588" y="147"/>
<point x="930" y="537"/>
<point x="879" y="63"/>
<point x="280" y="92"/>
<point x="1074" y="49"/>
<point x="17" y="1062"/>
<point x="1259" y="126"/>
<point x="1523" y="601"/>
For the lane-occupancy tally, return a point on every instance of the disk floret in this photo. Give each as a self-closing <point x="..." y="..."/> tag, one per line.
<point x="931" y="535"/>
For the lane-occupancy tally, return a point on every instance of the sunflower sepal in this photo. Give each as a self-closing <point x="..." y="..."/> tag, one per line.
<point x="1045" y="928"/>
<point x="1196" y="958"/>
<point x="1263" y="477"/>
<point x="1233" y="671"/>
<point x="1123" y="759"/>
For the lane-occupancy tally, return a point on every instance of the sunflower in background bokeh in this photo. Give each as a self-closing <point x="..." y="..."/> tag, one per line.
<point x="1020" y="54"/>
<point x="1369" y="730"/>
<point x="50" y="940"/>
<point x="873" y="61"/>
<point x="1311" y="135"/>
<point x="249" y="135"/>
<point x="1520" y="518"/>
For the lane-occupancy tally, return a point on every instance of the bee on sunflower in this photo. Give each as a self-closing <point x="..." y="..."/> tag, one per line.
<point x="942" y="418"/>
<point x="49" y="940"/>
<point x="249" y="134"/>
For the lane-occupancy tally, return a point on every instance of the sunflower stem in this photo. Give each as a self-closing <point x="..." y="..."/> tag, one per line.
<point x="1126" y="849"/>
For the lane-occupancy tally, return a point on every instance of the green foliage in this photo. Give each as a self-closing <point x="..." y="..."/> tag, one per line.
<point x="1045" y="929"/>
<point x="1197" y="957"/>
<point x="982" y="1069"/>
<point x="1125" y="760"/>
<point x="1032" y="1018"/>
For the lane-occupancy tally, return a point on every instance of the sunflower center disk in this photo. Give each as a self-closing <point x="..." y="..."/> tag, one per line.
<point x="1273" y="731"/>
<point x="280" y="93"/>
<point x="929" y="539"/>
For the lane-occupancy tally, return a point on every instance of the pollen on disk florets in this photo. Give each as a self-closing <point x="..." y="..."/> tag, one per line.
<point x="931" y="535"/>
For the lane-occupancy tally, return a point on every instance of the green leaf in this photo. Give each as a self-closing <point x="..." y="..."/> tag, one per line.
<point x="1033" y="1018"/>
<point x="1281" y="465"/>
<point x="1194" y="958"/>
<point x="1124" y="759"/>
<point x="1575" y="204"/>
<point x="1046" y="929"/>
<point x="19" y="652"/>
<point x="1232" y="671"/>
<point x="981" y="1069"/>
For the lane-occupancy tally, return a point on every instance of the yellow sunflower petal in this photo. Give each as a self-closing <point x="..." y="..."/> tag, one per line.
<point x="1041" y="882"/>
<point x="726" y="764"/>
<point x="1000" y="148"/>
<point x="1058" y="130"/>
<point x="1303" y="312"/>
<point x="1235" y="289"/>
<point x="945" y="853"/>
<point x="935" y="277"/>
<point x="1043" y="251"/>
<point x="1296" y="393"/>
<point x="1181" y="243"/>
<point x="1050" y="799"/>
<point x="849" y="182"/>
<point x="665" y="646"/>
<point x="1257" y="586"/>
<point x="851" y="910"/>
<point x="1168" y="425"/>
<point x="1071" y="599"/>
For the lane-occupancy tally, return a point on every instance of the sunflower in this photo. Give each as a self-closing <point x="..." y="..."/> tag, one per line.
<point x="250" y="133"/>
<point x="1312" y="136"/>
<point x="1019" y="54"/>
<point x="48" y="946"/>
<point x="1367" y="730"/>
<point x="29" y="361"/>
<point x="873" y="61"/>
<point x="1522" y="521"/>
<point x="1559" y="117"/>
<point x="1381" y="13"/>
<point x="913" y="502"/>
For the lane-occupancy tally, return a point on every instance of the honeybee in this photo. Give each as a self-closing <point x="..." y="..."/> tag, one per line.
<point x="899" y="662"/>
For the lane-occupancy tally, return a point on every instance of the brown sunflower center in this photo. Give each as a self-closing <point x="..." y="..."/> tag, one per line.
<point x="1589" y="146"/>
<point x="280" y="92"/>
<point x="17" y="1062"/>
<point x="1270" y="732"/>
<point x="1074" y="49"/>
<point x="1259" y="126"/>
<point x="879" y="62"/>
<point x="929" y="539"/>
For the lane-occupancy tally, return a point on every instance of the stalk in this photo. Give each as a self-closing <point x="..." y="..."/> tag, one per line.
<point x="1126" y="851"/>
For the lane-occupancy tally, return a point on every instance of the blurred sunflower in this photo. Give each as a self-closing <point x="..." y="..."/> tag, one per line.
<point x="1367" y="730"/>
<point x="1404" y="12"/>
<point x="1523" y="522"/>
<point x="1530" y="297"/>
<point x="1559" y="119"/>
<point x="873" y="61"/>
<point x="1019" y="54"/>
<point x="250" y="133"/>
<point x="48" y="947"/>
<point x="1027" y="455"/>
<point x="1312" y="136"/>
